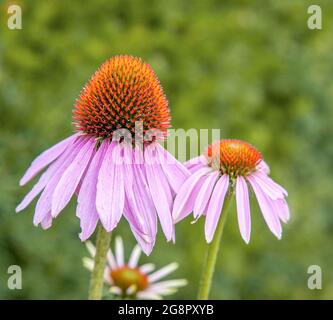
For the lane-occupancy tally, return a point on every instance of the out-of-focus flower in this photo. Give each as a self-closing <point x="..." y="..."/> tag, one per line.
<point x="129" y="280"/>
<point x="111" y="174"/>
<point x="226" y="165"/>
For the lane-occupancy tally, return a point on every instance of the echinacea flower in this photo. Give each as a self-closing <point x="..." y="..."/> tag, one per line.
<point x="111" y="174"/>
<point x="128" y="280"/>
<point x="226" y="165"/>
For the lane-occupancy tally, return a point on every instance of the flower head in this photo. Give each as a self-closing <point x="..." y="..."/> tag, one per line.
<point x="229" y="165"/>
<point x="123" y="91"/>
<point x="110" y="175"/>
<point x="128" y="280"/>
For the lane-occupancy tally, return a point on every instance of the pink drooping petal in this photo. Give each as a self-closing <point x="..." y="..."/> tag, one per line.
<point x="143" y="230"/>
<point x="44" y="202"/>
<point x="175" y="171"/>
<point x="266" y="206"/>
<point x="46" y="223"/>
<point x="189" y="205"/>
<point x="160" y="193"/>
<point x="71" y="177"/>
<point x="146" y="203"/>
<point x="86" y="208"/>
<point x="282" y="209"/>
<point x="181" y="206"/>
<point x="140" y="211"/>
<point x="38" y="187"/>
<point x="215" y="207"/>
<point x="272" y="189"/>
<point x="263" y="167"/>
<point x="145" y="245"/>
<point x="204" y="194"/>
<point x="243" y="208"/>
<point x="46" y="158"/>
<point x="196" y="163"/>
<point x="110" y="198"/>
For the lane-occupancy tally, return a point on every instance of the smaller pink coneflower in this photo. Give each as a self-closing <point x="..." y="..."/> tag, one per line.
<point x="231" y="165"/>
<point x="129" y="280"/>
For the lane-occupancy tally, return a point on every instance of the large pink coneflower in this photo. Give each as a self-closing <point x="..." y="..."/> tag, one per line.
<point x="228" y="167"/>
<point x="112" y="174"/>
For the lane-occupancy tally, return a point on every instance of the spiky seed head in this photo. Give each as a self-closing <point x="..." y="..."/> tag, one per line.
<point x="233" y="157"/>
<point x="123" y="91"/>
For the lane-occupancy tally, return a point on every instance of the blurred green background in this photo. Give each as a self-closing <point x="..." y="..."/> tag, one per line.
<point x="251" y="68"/>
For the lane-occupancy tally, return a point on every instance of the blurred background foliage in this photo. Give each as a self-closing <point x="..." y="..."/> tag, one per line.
<point x="251" y="68"/>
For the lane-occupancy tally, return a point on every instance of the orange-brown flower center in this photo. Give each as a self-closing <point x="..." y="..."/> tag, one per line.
<point x="125" y="277"/>
<point x="233" y="157"/>
<point x="123" y="91"/>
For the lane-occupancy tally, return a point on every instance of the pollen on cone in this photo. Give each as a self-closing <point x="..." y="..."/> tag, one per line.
<point x="123" y="91"/>
<point x="234" y="157"/>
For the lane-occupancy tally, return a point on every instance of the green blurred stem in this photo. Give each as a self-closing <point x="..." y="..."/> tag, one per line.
<point x="97" y="276"/>
<point x="212" y="251"/>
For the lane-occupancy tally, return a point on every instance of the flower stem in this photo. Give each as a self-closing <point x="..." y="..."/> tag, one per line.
<point x="212" y="251"/>
<point x="97" y="276"/>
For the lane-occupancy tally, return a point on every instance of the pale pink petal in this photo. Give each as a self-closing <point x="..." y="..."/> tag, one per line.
<point x="119" y="252"/>
<point x="161" y="273"/>
<point x="266" y="207"/>
<point x="282" y="209"/>
<point x="110" y="198"/>
<point x="86" y="209"/>
<point x="243" y="208"/>
<point x="38" y="187"/>
<point x="111" y="260"/>
<point x="46" y="158"/>
<point x="147" y="267"/>
<point x="44" y="202"/>
<point x="134" y="258"/>
<point x="160" y="193"/>
<point x="196" y="163"/>
<point x="189" y="204"/>
<point x="204" y="194"/>
<point x="139" y="207"/>
<point x="71" y="177"/>
<point x="215" y="207"/>
<point x="147" y="295"/>
<point x="181" y="204"/>
<point x="263" y="167"/>
<point x="175" y="171"/>
<point x="167" y="287"/>
<point x="47" y="221"/>
<point x="272" y="189"/>
<point x="142" y="233"/>
<point x="176" y="283"/>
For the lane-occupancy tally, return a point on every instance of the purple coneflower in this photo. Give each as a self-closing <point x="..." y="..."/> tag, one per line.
<point x="226" y="164"/>
<point x="111" y="174"/>
<point x="228" y="167"/>
<point x="129" y="280"/>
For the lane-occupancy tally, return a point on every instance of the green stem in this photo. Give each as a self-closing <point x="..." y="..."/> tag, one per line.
<point x="97" y="276"/>
<point x="212" y="251"/>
